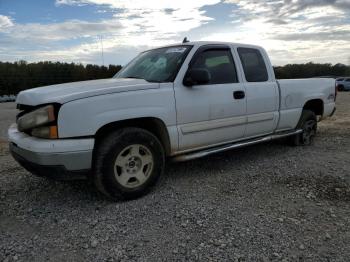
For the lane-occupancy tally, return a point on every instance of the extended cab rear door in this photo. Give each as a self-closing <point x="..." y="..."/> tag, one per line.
<point x="261" y="91"/>
<point x="213" y="113"/>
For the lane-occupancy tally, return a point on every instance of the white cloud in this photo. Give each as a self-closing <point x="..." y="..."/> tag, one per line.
<point x="293" y="30"/>
<point x="290" y="30"/>
<point x="153" y="19"/>
<point x="61" y="31"/>
<point x="5" y="22"/>
<point x="141" y="4"/>
<point x="134" y="24"/>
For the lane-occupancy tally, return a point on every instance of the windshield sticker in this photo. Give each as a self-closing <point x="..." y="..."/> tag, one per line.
<point x="176" y="50"/>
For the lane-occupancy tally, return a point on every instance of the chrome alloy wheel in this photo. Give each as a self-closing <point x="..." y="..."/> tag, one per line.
<point x="133" y="166"/>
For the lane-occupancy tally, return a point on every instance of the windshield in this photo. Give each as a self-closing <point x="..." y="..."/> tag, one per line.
<point x="157" y="65"/>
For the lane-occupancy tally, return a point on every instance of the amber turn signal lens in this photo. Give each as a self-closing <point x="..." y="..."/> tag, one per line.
<point x="53" y="132"/>
<point x="49" y="132"/>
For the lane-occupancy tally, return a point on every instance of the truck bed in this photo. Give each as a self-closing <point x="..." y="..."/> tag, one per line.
<point x="294" y="93"/>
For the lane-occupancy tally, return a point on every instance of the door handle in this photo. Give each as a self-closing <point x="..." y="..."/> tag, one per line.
<point x="238" y="94"/>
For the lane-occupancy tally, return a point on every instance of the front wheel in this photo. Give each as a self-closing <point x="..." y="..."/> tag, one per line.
<point x="128" y="162"/>
<point x="308" y="123"/>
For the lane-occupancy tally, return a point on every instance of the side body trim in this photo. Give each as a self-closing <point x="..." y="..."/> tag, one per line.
<point x="212" y="124"/>
<point x="226" y="147"/>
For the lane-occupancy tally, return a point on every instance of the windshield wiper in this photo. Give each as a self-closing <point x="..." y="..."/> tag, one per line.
<point x="153" y="81"/>
<point x="148" y="80"/>
<point x="134" y="77"/>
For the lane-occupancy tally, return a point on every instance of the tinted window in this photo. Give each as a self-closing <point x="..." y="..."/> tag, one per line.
<point x="220" y="65"/>
<point x="347" y="80"/>
<point x="253" y="65"/>
<point x="340" y="79"/>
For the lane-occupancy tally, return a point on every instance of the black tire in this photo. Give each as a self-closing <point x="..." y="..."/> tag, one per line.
<point x="110" y="149"/>
<point x="340" y="88"/>
<point x="308" y="123"/>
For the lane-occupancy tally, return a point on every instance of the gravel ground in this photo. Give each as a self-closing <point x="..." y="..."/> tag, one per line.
<point x="7" y="117"/>
<point x="268" y="202"/>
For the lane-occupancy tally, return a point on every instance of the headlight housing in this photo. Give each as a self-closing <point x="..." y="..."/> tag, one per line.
<point x="39" y="123"/>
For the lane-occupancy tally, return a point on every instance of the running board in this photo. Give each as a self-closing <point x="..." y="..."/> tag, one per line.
<point x="209" y="151"/>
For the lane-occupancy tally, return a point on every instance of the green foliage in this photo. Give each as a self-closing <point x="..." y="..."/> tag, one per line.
<point x="18" y="76"/>
<point x="307" y="70"/>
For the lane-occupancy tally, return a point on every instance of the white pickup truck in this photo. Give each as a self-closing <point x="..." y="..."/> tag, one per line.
<point x="179" y="102"/>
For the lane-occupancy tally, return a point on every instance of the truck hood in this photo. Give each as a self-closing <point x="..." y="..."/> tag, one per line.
<point x="63" y="93"/>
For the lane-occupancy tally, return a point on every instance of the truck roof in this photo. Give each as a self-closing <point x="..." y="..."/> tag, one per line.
<point x="200" y="43"/>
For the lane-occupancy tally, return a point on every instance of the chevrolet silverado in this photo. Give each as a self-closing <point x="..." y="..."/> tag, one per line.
<point x="176" y="102"/>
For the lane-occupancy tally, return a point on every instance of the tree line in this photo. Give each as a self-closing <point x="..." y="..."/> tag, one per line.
<point x="308" y="70"/>
<point x="18" y="76"/>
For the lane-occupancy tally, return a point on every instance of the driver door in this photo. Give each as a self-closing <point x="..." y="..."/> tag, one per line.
<point x="213" y="113"/>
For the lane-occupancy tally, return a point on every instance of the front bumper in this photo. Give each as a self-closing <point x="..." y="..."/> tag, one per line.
<point x="61" y="159"/>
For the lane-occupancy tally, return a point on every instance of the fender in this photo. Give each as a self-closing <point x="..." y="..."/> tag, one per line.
<point x="84" y="117"/>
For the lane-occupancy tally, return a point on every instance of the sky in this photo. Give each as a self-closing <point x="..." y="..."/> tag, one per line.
<point x="292" y="31"/>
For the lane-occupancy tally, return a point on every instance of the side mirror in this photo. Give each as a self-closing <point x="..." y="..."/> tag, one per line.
<point x="197" y="76"/>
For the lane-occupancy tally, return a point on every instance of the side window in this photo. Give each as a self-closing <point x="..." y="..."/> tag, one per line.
<point x="347" y="80"/>
<point x="253" y="64"/>
<point x="219" y="63"/>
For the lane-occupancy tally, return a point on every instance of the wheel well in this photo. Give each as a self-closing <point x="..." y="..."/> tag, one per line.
<point x="151" y="124"/>
<point x="315" y="105"/>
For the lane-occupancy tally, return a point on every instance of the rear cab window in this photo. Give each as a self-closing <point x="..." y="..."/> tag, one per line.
<point x="253" y="64"/>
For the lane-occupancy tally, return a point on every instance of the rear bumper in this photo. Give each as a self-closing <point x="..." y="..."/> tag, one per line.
<point x="61" y="159"/>
<point x="335" y="109"/>
<point x="329" y="109"/>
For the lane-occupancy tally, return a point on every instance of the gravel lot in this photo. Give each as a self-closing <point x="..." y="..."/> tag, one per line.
<point x="7" y="117"/>
<point x="269" y="202"/>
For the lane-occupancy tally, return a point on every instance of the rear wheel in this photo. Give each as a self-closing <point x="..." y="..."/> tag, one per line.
<point x="128" y="162"/>
<point x="308" y="123"/>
